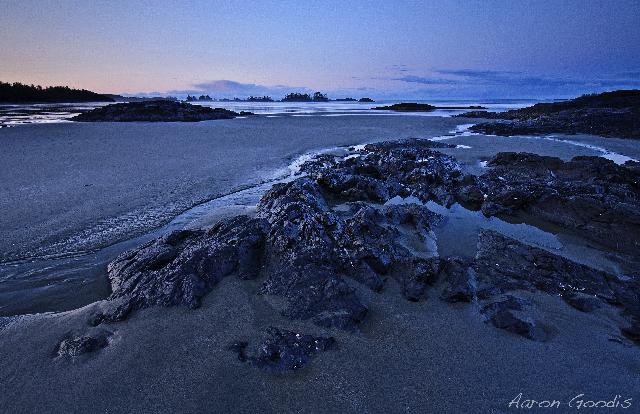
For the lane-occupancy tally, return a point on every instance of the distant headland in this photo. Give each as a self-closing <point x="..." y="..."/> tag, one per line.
<point x="615" y="114"/>
<point x="20" y="93"/>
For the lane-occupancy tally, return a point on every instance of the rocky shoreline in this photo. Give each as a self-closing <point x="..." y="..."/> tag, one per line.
<point x="615" y="114"/>
<point x="317" y="240"/>
<point x="155" y="111"/>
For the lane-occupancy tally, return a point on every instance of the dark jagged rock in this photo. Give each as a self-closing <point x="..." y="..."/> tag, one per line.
<point x="155" y="111"/>
<point x="459" y="278"/>
<point x="470" y="194"/>
<point x="504" y="265"/>
<point x="423" y="273"/>
<point x="74" y="346"/>
<point x="305" y="249"/>
<point x="389" y="169"/>
<point x="310" y="246"/>
<point x="183" y="266"/>
<point x="590" y="195"/>
<point x="302" y="260"/>
<point x="608" y="114"/>
<point x="283" y="350"/>
<point x="418" y="107"/>
<point x="513" y="314"/>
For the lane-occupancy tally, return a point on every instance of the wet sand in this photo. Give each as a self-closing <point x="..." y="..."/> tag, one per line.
<point x="409" y="357"/>
<point x="143" y="175"/>
<point x="70" y="187"/>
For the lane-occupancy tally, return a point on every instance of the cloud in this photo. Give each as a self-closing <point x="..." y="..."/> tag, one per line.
<point x="230" y="89"/>
<point x="460" y="83"/>
<point x="477" y="74"/>
<point x="425" y="80"/>
<point x="630" y="75"/>
<point x="524" y="79"/>
<point x="398" y="68"/>
<point x="483" y="83"/>
<point x="233" y="89"/>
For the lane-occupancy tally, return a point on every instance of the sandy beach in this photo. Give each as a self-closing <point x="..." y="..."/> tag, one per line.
<point x="407" y="356"/>
<point x="72" y="187"/>
<point x="75" y="187"/>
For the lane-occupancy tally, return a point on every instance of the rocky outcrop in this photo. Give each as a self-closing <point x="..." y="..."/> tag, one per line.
<point x="155" y="111"/>
<point x="459" y="280"/>
<point x="503" y="265"/>
<point x="349" y="225"/>
<point x="513" y="314"/>
<point x="589" y="195"/>
<point x="389" y="169"/>
<point x="302" y="247"/>
<point x="183" y="266"/>
<point x="283" y="350"/>
<point x="609" y="114"/>
<point x="76" y="345"/>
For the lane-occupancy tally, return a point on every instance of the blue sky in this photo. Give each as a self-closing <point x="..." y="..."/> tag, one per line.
<point x="383" y="49"/>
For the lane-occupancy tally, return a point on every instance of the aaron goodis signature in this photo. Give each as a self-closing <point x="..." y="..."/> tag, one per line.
<point x="578" y="402"/>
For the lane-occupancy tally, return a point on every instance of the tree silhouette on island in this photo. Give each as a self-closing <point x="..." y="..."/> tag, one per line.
<point x="260" y="99"/>
<point x="305" y="97"/>
<point x="201" y="98"/>
<point x="19" y="93"/>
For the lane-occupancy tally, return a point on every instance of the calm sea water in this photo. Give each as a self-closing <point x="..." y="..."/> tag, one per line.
<point x="17" y="114"/>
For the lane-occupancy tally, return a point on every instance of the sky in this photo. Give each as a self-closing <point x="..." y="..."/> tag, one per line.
<point x="383" y="49"/>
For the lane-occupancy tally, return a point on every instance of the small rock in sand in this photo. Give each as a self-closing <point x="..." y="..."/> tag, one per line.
<point x="283" y="350"/>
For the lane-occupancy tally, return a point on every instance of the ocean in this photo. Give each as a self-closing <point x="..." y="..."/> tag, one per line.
<point x="19" y="114"/>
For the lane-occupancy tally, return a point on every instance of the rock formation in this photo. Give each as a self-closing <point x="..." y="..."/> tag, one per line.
<point x="155" y="111"/>
<point x="313" y="238"/>
<point x="609" y="114"/>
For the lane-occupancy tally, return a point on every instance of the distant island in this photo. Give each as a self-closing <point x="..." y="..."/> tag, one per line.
<point x="20" y="93"/>
<point x="290" y="97"/>
<point x="319" y="97"/>
<point x="260" y="99"/>
<point x="305" y="97"/>
<point x="201" y="98"/>
<point x="417" y="107"/>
